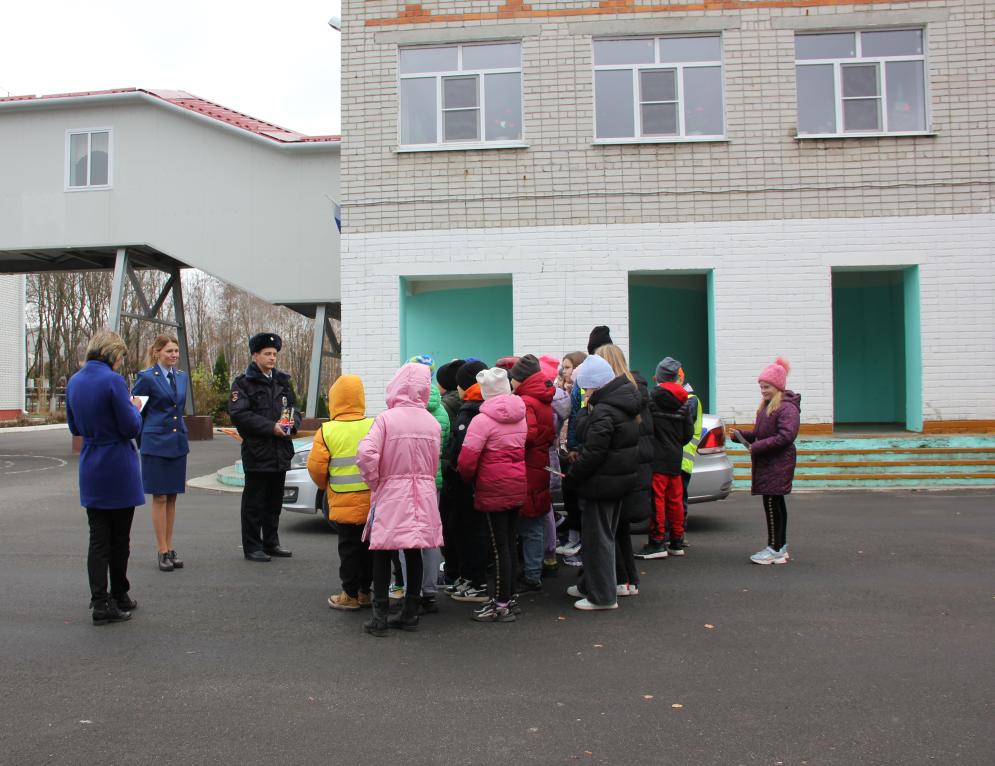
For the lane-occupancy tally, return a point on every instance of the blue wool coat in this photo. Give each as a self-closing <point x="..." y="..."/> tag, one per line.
<point x="99" y="408"/>
<point x="164" y="432"/>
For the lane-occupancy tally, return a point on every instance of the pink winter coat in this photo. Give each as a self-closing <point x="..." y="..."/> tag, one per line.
<point x="493" y="454"/>
<point x="398" y="460"/>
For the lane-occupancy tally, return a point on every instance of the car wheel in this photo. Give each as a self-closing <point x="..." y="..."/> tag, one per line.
<point x="323" y="510"/>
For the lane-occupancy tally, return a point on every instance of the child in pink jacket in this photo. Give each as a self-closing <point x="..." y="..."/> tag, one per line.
<point x="493" y="458"/>
<point x="398" y="460"/>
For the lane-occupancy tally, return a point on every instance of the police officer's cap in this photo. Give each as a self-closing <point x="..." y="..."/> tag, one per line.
<point x="262" y="340"/>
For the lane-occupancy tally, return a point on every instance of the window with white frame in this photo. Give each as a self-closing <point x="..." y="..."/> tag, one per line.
<point x="461" y="94"/>
<point x="88" y="154"/>
<point x="861" y="82"/>
<point x="658" y="88"/>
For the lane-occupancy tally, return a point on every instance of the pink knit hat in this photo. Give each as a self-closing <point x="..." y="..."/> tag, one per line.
<point x="550" y="366"/>
<point x="776" y="374"/>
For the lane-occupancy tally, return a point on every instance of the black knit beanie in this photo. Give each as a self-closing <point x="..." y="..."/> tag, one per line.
<point x="446" y="374"/>
<point x="600" y="336"/>
<point x="466" y="376"/>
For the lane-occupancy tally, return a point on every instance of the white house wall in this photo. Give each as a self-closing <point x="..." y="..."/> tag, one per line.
<point x="256" y="216"/>
<point x="772" y="295"/>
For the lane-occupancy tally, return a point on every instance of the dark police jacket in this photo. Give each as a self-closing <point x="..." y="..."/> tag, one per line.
<point x="255" y="405"/>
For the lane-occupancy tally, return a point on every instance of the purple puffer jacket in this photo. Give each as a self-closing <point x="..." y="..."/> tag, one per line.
<point x="772" y="446"/>
<point x="493" y="454"/>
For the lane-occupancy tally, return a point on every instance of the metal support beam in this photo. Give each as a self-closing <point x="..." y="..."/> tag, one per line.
<point x="317" y="349"/>
<point x="181" y="333"/>
<point x="117" y="290"/>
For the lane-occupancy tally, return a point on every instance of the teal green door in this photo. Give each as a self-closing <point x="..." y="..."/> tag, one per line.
<point x="669" y="316"/>
<point x="456" y="322"/>
<point x="869" y="347"/>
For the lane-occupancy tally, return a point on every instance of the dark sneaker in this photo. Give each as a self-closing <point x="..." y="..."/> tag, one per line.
<point x="472" y="593"/>
<point x="550" y="568"/>
<point x="493" y="612"/>
<point x="529" y="586"/>
<point x="177" y="561"/>
<point x="675" y="548"/>
<point x="652" y="550"/>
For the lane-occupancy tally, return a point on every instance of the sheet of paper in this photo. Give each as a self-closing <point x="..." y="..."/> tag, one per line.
<point x="145" y="400"/>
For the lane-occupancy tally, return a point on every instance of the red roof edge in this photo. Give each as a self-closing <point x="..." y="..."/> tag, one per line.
<point x="203" y="107"/>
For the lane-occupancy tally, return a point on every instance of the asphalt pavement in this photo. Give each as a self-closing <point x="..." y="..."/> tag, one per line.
<point x="873" y="646"/>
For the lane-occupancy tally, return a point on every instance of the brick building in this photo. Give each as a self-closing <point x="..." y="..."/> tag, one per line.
<point x="722" y="182"/>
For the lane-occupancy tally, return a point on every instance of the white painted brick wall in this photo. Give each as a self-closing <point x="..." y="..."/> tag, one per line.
<point x="12" y="342"/>
<point x="772" y="295"/>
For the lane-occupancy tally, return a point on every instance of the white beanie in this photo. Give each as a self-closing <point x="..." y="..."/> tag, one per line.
<point x="493" y="382"/>
<point x="594" y="372"/>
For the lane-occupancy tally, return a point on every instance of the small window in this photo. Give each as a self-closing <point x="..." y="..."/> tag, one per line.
<point x="658" y="88"/>
<point x="461" y="94"/>
<point x="88" y="159"/>
<point x="861" y="82"/>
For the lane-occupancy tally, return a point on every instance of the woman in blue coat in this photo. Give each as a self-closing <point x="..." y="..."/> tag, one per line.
<point x="99" y="409"/>
<point x="164" y="441"/>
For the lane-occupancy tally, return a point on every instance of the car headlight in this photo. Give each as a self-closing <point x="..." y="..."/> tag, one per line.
<point x="299" y="460"/>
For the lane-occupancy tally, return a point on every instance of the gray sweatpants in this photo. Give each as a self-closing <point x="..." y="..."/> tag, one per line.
<point x="431" y="558"/>
<point x="599" y="520"/>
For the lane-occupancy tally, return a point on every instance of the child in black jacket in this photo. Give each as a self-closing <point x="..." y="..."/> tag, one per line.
<point x="673" y="427"/>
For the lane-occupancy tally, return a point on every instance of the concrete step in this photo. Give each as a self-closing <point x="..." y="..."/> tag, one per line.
<point x="914" y="461"/>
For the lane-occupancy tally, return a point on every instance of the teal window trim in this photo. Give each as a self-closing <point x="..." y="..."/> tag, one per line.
<point x="913" y="350"/>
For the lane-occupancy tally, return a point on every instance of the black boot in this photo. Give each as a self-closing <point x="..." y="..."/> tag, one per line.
<point x="428" y="605"/>
<point x="106" y="610"/>
<point x="408" y="618"/>
<point x="377" y="624"/>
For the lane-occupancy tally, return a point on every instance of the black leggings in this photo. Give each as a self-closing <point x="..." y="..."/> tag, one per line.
<point x="382" y="561"/>
<point x="501" y="526"/>
<point x="777" y="521"/>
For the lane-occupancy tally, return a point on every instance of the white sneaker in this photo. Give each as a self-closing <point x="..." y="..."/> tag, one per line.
<point x="573" y="561"/>
<point x="574" y="591"/>
<point x="633" y="589"/>
<point x="568" y="548"/>
<point x="622" y="590"/>
<point x="769" y="556"/>
<point x="587" y="606"/>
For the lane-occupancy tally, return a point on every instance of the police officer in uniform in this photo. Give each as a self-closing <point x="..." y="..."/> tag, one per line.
<point x="258" y="399"/>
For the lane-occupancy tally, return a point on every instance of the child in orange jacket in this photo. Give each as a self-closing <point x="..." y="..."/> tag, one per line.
<point x="333" y="467"/>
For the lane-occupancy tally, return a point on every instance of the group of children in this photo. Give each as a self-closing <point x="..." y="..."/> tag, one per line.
<point x="456" y="476"/>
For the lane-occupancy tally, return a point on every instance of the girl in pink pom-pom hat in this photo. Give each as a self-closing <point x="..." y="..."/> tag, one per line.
<point x="771" y="443"/>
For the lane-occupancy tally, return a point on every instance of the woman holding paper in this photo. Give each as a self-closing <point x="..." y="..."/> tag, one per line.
<point x="110" y="480"/>
<point x="163" y="442"/>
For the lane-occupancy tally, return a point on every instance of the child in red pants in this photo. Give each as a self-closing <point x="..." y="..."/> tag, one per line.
<point x="673" y="427"/>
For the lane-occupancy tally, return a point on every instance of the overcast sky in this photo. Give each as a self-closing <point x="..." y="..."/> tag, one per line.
<point x="276" y="60"/>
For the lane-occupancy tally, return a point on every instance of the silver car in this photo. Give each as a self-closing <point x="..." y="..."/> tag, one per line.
<point x="712" y="475"/>
<point x="300" y="494"/>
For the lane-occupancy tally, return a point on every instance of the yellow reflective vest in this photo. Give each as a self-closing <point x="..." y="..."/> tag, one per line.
<point x="691" y="448"/>
<point x="342" y="438"/>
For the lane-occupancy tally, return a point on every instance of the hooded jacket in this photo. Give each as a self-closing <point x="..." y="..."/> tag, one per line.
<point x="439" y="412"/>
<point x="673" y="427"/>
<point x="398" y="459"/>
<point x="537" y="392"/>
<point x="493" y="454"/>
<point x="608" y="465"/>
<point x="637" y="505"/>
<point x="346" y="403"/>
<point x="772" y="446"/>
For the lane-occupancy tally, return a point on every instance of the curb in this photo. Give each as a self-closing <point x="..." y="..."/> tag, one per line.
<point x="22" y="429"/>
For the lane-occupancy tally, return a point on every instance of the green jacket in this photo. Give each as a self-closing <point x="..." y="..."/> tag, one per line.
<point x="439" y="413"/>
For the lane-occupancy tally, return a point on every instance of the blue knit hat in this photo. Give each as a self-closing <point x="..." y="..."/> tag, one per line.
<point x="594" y="372"/>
